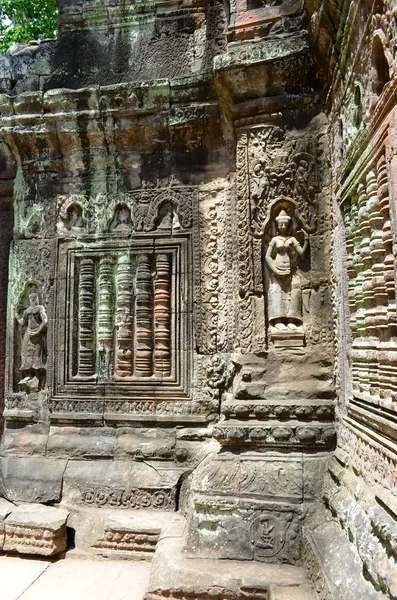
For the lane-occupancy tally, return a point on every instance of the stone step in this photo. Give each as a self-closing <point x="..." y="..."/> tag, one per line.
<point x="175" y="576"/>
<point x="295" y="592"/>
<point x="126" y="534"/>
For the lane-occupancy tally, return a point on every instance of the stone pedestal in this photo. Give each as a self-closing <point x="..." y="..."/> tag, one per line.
<point x="249" y="501"/>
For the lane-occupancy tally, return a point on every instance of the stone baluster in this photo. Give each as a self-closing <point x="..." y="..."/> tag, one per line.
<point x="351" y="270"/>
<point x="365" y="251"/>
<point x="144" y="318"/>
<point x="358" y="292"/>
<point x="388" y="346"/>
<point x="105" y="315"/>
<point x="86" y="342"/>
<point x="387" y="240"/>
<point x="162" y="316"/>
<point x="358" y="258"/>
<point x="124" y="318"/>
<point x="375" y="293"/>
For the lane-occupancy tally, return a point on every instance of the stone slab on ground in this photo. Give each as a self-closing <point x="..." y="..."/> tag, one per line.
<point x="17" y="574"/>
<point x="37" y="579"/>
<point x="36" y="529"/>
<point x="174" y="575"/>
<point x="135" y="535"/>
<point x="295" y="592"/>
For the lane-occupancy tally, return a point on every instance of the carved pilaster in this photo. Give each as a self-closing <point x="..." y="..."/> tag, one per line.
<point x="86" y="343"/>
<point x="244" y="245"/>
<point x="162" y="316"/>
<point x="124" y="320"/>
<point x="144" y="318"/>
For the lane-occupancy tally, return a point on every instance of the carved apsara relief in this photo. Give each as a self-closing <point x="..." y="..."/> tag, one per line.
<point x="32" y="318"/>
<point x="283" y="235"/>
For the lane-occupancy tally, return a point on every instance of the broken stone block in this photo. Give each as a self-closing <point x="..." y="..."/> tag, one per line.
<point x="126" y="537"/>
<point x="32" y="479"/>
<point x="36" y="529"/>
<point x="135" y="535"/>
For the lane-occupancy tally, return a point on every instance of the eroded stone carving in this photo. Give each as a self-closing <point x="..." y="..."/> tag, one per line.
<point x="284" y="292"/>
<point x="33" y="322"/>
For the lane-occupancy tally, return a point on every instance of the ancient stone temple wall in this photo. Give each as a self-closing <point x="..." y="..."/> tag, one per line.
<point x="201" y="290"/>
<point x="360" y="485"/>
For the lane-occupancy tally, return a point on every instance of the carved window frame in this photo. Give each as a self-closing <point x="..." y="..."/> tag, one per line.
<point x="74" y="398"/>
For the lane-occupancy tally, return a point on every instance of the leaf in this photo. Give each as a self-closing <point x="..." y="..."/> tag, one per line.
<point x="26" y="20"/>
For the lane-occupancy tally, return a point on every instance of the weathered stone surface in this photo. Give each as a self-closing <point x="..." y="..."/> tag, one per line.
<point x="5" y="509"/>
<point x="120" y="484"/>
<point x="201" y="301"/>
<point x="32" y="479"/>
<point x="174" y="575"/>
<point x="334" y="567"/>
<point x="36" y="529"/>
<point x="135" y="535"/>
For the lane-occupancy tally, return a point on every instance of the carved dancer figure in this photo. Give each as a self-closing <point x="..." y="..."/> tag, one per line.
<point x="34" y="317"/>
<point x="284" y="294"/>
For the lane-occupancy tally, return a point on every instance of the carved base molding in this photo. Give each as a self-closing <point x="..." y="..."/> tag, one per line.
<point x="127" y="542"/>
<point x="252" y="505"/>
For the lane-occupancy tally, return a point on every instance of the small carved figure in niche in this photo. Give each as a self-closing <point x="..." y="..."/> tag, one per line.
<point x="33" y="347"/>
<point x="71" y="221"/>
<point x="284" y="292"/>
<point x="268" y="534"/>
<point x="167" y="217"/>
<point x="122" y="222"/>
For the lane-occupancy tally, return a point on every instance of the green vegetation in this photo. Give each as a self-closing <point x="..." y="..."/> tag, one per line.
<point x="26" y="20"/>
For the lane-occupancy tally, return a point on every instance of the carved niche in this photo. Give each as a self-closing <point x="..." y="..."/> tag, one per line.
<point x="123" y="308"/>
<point x="286" y="242"/>
<point x="284" y="217"/>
